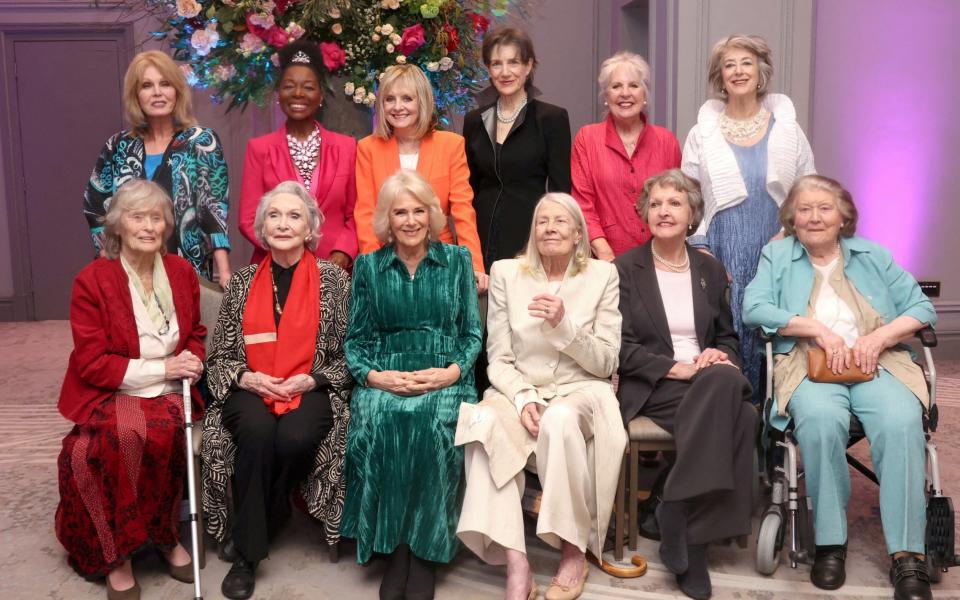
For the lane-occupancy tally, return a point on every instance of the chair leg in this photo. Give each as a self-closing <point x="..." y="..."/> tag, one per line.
<point x="333" y="551"/>
<point x="619" y="510"/>
<point x="632" y="492"/>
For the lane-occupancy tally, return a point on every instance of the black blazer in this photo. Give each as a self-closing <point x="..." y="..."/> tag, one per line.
<point x="646" y="350"/>
<point x="534" y="159"/>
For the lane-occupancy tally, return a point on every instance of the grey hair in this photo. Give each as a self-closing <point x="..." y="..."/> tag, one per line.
<point x="631" y="59"/>
<point x="406" y="181"/>
<point x="314" y="216"/>
<point x="681" y="182"/>
<point x="135" y="194"/>
<point x="530" y="259"/>
<point x="754" y="44"/>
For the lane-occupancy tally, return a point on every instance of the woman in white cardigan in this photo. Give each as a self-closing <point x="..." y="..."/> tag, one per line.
<point x="746" y="150"/>
<point x="553" y="343"/>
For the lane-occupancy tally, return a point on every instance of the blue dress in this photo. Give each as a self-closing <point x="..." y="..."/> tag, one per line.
<point x="737" y="235"/>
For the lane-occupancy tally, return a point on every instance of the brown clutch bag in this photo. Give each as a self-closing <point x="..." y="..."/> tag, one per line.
<point x="819" y="372"/>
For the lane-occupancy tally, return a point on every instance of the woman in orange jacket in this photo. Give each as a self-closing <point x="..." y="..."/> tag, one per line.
<point x="404" y="138"/>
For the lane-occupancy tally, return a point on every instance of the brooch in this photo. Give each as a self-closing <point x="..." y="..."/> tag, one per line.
<point x="703" y="284"/>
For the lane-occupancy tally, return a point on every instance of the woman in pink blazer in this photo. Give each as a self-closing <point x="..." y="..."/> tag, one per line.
<point x="323" y="161"/>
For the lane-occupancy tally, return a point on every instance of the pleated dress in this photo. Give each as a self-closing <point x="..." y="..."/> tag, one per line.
<point x="404" y="474"/>
<point x="737" y="235"/>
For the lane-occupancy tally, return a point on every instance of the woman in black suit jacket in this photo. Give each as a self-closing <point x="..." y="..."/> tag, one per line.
<point x="679" y="366"/>
<point x="518" y="148"/>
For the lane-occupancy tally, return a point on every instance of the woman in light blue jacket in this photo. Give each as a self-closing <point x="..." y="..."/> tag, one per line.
<point x="823" y="287"/>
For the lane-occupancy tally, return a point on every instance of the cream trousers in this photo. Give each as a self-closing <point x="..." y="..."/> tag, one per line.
<point x="491" y="520"/>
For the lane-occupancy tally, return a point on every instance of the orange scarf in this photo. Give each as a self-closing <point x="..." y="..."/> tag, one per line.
<point x="287" y="349"/>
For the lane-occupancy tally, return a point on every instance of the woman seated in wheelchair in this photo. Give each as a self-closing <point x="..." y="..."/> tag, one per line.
<point x="554" y="335"/>
<point x="280" y="383"/>
<point x="844" y="299"/>
<point x="678" y="366"/>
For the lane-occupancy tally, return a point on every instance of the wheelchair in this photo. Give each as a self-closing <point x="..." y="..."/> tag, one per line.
<point x="789" y="516"/>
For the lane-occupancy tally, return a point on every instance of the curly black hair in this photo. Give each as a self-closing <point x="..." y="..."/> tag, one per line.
<point x="311" y="50"/>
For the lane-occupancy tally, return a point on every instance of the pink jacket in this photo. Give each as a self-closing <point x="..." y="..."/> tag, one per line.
<point x="607" y="183"/>
<point x="334" y="185"/>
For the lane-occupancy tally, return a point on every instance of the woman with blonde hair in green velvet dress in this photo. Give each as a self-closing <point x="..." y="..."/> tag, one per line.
<point x="413" y="336"/>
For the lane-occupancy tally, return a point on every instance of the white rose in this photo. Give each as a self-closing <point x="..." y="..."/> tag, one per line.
<point x="401" y="59"/>
<point x="393" y="4"/>
<point x="386" y="29"/>
<point x="371" y="97"/>
<point x="395" y="38"/>
<point x="445" y="63"/>
<point x="349" y="88"/>
<point x="389" y="48"/>
<point x="360" y="91"/>
<point x="433" y="66"/>
<point x="358" y="98"/>
<point x="334" y="13"/>
<point x="377" y="29"/>
<point x="375" y="37"/>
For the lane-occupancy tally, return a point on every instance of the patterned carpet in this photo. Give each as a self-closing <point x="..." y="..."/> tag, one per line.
<point x="32" y="363"/>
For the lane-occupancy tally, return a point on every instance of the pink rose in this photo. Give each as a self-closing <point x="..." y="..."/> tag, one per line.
<point x="411" y="39"/>
<point x="333" y="55"/>
<point x="277" y="37"/>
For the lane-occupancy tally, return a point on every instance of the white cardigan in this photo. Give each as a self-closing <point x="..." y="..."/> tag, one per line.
<point x="708" y="157"/>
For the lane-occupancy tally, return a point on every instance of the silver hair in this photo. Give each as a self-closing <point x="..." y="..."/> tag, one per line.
<point x="530" y="258"/>
<point x="135" y="194"/>
<point x="314" y="216"/>
<point x="631" y="59"/>
<point x="680" y="181"/>
<point x="754" y="44"/>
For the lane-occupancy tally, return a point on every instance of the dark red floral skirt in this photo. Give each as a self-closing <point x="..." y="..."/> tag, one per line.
<point x="121" y="481"/>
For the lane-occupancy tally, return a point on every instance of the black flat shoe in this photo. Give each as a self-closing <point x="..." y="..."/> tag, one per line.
<point x="240" y="580"/>
<point x="227" y="552"/>
<point x="828" y="572"/>
<point x="695" y="582"/>
<point x="910" y="579"/>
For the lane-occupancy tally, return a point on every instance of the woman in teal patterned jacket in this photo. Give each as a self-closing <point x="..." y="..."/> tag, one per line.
<point x="166" y="146"/>
<point x="413" y="336"/>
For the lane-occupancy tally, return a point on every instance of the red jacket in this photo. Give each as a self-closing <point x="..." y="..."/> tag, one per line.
<point x="105" y="334"/>
<point x="607" y="182"/>
<point x="334" y="185"/>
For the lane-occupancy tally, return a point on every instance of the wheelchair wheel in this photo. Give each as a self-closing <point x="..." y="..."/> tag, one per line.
<point x="769" y="542"/>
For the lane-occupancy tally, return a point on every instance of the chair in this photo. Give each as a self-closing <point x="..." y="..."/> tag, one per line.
<point x="789" y="507"/>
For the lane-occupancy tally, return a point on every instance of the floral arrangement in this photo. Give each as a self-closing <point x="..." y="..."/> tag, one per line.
<point x="230" y="46"/>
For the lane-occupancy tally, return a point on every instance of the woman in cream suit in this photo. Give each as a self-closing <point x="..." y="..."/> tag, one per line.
<point x="554" y="337"/>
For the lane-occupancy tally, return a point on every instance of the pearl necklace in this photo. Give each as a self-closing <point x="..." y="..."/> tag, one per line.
<point x="512" y="117"/>
<point x="679" y="267"/>
<point x="737" y="131"/>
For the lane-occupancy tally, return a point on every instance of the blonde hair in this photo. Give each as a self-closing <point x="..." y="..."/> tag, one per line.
<point x="530" y="259"/>
<point x="754" y="44"/>
<point x="842" y="197"/>
<point x="136" y="194"/>
<point x="314" y="216"/>
<point x="630" y="59"/>
<point x="406" y="181"/>
<point x="413" y="77"/>
<point x="133" y="79"/>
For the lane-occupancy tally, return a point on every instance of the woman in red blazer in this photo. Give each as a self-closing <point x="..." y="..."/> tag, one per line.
<point x="136" y="327"/>
<point x="404" y="138"/>
<point x="303" y="151"/>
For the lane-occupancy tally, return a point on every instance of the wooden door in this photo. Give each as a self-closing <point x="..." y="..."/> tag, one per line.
<point x="66" y="103"/>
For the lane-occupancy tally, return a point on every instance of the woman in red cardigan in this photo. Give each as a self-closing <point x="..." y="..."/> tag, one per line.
<point x="303" y="151"/>
<point x="135" y="317"/>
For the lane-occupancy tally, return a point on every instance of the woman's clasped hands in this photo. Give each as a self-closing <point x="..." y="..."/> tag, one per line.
<point x="414" y="383"/>
<point x="184" y="365"/>
<point x="277" y="388"/>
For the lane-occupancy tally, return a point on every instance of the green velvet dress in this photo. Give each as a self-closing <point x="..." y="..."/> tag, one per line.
<point x="404" y="475"/>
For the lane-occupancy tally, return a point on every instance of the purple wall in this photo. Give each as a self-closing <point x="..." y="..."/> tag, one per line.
<point x="885" y="85"/>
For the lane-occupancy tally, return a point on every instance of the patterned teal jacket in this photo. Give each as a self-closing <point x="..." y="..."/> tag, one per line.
<point x="192" y="171"/>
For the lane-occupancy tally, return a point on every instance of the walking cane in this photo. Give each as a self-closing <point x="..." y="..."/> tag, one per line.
<point x="192" y="489"/>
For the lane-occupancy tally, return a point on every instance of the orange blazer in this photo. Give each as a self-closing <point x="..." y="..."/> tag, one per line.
<point x="443" y="163"/>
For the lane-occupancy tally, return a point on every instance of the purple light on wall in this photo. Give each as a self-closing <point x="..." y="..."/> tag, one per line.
<point x="880" y="99"/>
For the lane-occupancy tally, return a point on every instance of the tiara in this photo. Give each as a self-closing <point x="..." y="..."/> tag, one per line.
<point x="300" y="57"/>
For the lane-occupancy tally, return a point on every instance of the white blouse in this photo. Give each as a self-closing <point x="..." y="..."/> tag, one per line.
<point x="145" y="376"/>
<point x="676" y="289"/>
<point x="832" y="311"/>
<point x="409" y="161"/>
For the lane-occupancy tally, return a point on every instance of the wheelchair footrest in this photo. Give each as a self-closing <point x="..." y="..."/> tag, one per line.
<point x="940" y="532"/>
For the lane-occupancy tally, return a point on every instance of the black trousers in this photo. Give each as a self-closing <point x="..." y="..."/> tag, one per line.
<point x="714" y="424"/>
<point x="273" y="454"/>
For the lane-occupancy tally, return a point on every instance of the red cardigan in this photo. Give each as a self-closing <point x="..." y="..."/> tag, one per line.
<point x="105" y="334"/>
<point x="334" y="185"/>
